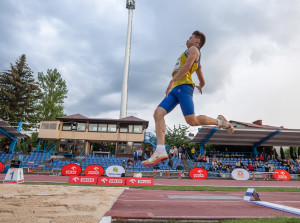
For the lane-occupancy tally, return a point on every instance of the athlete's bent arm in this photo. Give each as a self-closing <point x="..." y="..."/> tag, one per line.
<point x="200" y="78"/>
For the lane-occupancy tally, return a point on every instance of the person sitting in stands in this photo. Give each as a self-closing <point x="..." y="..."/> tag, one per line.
<point x="129" y="162"/>
<point x="225" y="166"/>
<point x="267" y="167"/>
<point x="207" y="159"/>
<point x="242" y="165"/>
<point x="180" y="168"/>
<point x="199" y="158"/>
<point x="238" y="164"/>
<point x="261" y="157"/>
<point x="250" y="168"/>
<point x="256" y="158"/>
<point x="124" y="164"/>
<point x="291" y="169"/>
<point x="230" y="168"/>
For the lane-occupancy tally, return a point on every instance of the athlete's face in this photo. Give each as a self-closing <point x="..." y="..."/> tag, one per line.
<point x="192" y="41"/>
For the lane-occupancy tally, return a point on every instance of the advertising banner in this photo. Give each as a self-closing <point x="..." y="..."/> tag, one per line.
<point x="114" y="171"/>
<point x="71" y="170"/>
<point x="198" y="174"/>
<point x="281" y="175"/>
<point x="94" y="170"/>
<point x="83" y="180"/>
<point x="1" y="167"/>
<point x="111" y="180"/>
<point x="139" y="181"/>
<point x="240" y="174"/>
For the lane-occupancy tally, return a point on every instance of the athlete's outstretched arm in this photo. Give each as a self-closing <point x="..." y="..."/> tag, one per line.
<point x="192" y="55"/>
<point x="200" y="78"/>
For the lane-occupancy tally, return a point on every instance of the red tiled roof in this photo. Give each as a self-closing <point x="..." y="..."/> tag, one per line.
<point x="257" y="126"/>
<point x="132" y="118"/>
<point x="75" y="116"/>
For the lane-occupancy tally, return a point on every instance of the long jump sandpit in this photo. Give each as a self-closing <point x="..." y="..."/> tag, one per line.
<point x="61" y="204"/>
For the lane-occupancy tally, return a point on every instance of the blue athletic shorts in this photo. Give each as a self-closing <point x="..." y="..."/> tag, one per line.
<point x="183" y="95"/>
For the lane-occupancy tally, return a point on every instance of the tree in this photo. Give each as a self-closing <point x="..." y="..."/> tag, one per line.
<point x="19" y="94"/>
<point x="176" y="136"/>
<point x="55" y="91"/>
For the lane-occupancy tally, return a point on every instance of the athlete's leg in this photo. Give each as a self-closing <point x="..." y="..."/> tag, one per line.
<point x="194" y="120"/>
<point x="160" y="125"/>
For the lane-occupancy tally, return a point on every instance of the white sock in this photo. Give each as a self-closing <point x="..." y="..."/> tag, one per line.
<point x="160" y="148"/>
<point x="219" y="122"/>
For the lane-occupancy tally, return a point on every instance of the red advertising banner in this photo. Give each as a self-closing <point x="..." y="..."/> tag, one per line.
<point x="1" y="167"/>
<point x="111" y="181"/>
<point x="83" y="180"/>
<point x="94" y="170"/>
<point x="71" y="170"/>
<point x="281" y="175"/>
<point x="139" y="181"/>
<point x="198" y="174"/>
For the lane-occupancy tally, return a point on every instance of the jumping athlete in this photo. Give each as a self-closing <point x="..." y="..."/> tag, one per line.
<point x="180" y="91"/>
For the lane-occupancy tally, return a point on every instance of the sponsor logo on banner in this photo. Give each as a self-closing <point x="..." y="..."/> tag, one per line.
<point x="71" y="170"/>
<point x="281" y="175"/>
<point x="139" y="181"/>
<point x="114" y="171"/>
<point x="83" y="180"/>
<point x="2" y="167"/>
<point x="111" y="181"/>
<point x="94" y="170"/>
<point x="198" y="173"/>
<point x="240" y="174"/>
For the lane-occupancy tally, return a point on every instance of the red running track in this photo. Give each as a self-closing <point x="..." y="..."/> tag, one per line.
<point x="144" y="204"/>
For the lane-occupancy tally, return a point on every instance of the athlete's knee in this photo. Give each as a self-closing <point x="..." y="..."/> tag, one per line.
<point x="159" y="113"/>
<point x="191" y="121"/>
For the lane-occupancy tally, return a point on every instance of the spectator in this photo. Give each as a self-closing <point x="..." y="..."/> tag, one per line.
<point x="230" y="167"/>
<point x="238" y="164"/>
<point x="147" y="152"/>
<point x="175" y="151"/>
<point x="170" y="163"/>
<point x="145" y="156"/>
<point x="250" y="168"/>
<point x="242" y="165"/>
<point x="298" y="171"/>
<point x="261" y="157"/>
<point x="180" y="168"/>
<point x="298" y="160"/>
<point x="29" y="148"/>
<point x="193" y="150"/>
<point x="171" y="152"/>
<point x="140" y="154"/>
<point x="199" y="158"/>
<point x="291" y="170"/>
<point x="267" y="167"/>
<point x="124" y="164"/>
<point x="180" y="152"/>
<point x="6" y="149"/>
<point x="207" y="159"/>
<point x="256" y="158"/>
<point x="203" y="159"/>
<point x="129" y="162"/>
<point x="183" y="152"/>
<point x="135" y="156"/>
<point x="225" y="166"/>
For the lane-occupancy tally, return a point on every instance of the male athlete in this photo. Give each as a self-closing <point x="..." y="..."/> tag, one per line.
<point x="180" y="91"/>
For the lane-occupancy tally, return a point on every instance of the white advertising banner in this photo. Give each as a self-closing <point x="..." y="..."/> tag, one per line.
<point x="114" y="171"/>
<point x="240" y="174"/>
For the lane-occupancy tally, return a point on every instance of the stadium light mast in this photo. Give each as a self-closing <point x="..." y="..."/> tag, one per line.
<point x="130" y="5"/>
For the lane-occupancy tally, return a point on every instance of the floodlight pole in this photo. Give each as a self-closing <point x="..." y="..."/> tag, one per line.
<point x="130" y="5"/>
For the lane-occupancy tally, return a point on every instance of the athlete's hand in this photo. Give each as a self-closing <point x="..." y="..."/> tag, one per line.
<point x="169" y="87"/>
<point x="200" y="87"/>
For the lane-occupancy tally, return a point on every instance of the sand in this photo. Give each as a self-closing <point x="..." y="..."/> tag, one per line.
<point x="62" y="204"/>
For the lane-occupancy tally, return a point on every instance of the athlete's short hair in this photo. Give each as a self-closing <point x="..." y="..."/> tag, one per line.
<point x="201" y="36"/>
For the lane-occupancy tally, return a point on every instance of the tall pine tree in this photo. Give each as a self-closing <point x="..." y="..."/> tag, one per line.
<point x="19" y="95"/>
<point x="55" y="91"/>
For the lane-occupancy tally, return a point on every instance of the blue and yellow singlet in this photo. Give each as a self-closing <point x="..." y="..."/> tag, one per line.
<point x="187" y="78"/>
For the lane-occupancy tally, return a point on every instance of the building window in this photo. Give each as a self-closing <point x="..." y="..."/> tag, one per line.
<point x="138" y="129"/>
<point x="123" y="128"/>
<point x="112" y="127"/>
<point x="67" y="127"/>
<point x="81" y="127"/>
<point x="93" y="127"/>
<point x="102" y="128"/>
<point x="49" y="126"/>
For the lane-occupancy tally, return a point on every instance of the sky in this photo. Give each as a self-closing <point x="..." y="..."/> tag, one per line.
<point x="250" y="60"/>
